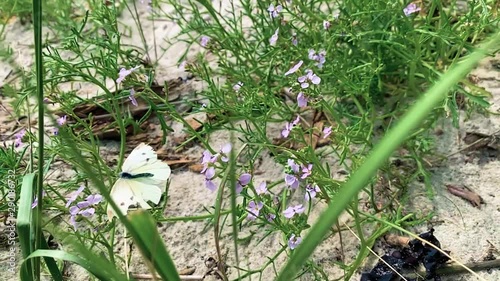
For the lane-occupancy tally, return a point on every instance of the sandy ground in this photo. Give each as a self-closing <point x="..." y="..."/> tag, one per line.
<point x="462" y="229"/>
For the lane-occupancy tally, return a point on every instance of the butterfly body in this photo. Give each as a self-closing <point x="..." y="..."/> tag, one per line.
<point x="125" y="175"/>
<point x="143" y="178"/>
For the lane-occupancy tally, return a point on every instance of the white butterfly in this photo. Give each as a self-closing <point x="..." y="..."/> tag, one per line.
<point x="143" y="178"/>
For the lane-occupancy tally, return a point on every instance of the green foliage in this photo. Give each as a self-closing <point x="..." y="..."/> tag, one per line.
<point x="386" y="79"/>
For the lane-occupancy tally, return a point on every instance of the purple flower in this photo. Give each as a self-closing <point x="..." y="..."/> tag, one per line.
<point x="210" y="185"/>
<point x="237" y="86"/>
<point x="74" y="195"/>
<point x="224" y="152"/>
<point x="293" y="166"/>
<point x="35" y="202"/>
<point x="242" y="181"/>
<point x="289" y="126"/>
<point x="61" y="120"/>
<point x="83" y="208"/>
<point x="326" y="24"/>
<point x="294" y="241"/>
<point x="75" y="211"/>
<point x="311" y="191"/>
<point x="204" y="41"/>
<point x="291" y="178"/>
<point x="302" y="100"/>
<point x="294" y="68"/>
<point x="209" y="174"/>
<point x="274" y="38"/>
<point x="87" y="212"/>
<point x="327" y="131"/>
<point x="262" y="188"/>
<point x="131" y="97"/>
<point x="290" y="212"/>
<point x="72" y="221"/>
<point x="18" y="138"/>
<point x="292" y="181"/>
<point x="274" y="11"/>
<point x="20" y="134"/>
<point x="94" y="199"/>
<point x="254" y="209"/>
<point x="270" y="217"/>
<point x="306" y="171"/>
<point x="312" y="54"/>
<point x="318" y="57"/>
<point x="311" y="77"/>
<point x="207" y="159"/>
<point x="295" y="40"/>
<point x="124" y="73"/>
<point x="410" y="9"/>
<point x="83" y="204"/>
<point x="182" y="65"/>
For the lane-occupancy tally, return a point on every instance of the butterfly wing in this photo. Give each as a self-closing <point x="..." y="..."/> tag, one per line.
<point x="143" y="159"/>
<point x="127" y="192"/>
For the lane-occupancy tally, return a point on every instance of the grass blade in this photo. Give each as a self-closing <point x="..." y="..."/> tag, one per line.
<point x="94" y="264"/>
<point x="51" y="264"/>
<point x="151" y="245"/>
<point x="24" y="223"/>
<point x="37" y="24"/>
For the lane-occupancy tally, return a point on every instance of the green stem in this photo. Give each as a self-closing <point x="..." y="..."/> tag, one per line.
<point x="37" y="23"/>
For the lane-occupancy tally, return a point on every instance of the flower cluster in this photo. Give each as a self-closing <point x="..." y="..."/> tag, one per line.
<point x="319" y="57"/>
<point x="289" y="127"/>
<point x="311" y="190"/>
<point x="294" y="241"/>
<point x="60" y="122"/>
<point x="208" y="161"/>
<point x="309" y="77"/>
<point x="291" y="211"/>
<point x="294" y="175"/>
<point x="124" y="73"/>
<point x="84" y="208"/>
<point x="274" y="11"/>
